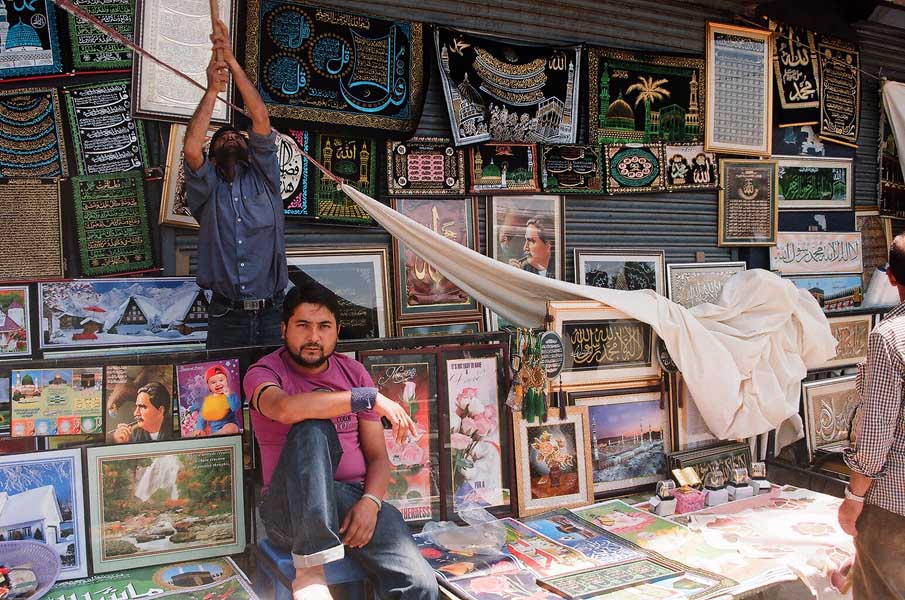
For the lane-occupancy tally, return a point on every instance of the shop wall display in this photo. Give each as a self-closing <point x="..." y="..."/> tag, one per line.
<point x="691" y="429"/>
<point x="643" y="98"/>
<point x="410" y="380"/>
<point x="36" y="202"/>
<point x="179" y="32"/>
<point x="689" y="167"/>
<point x="93" y="50"/>
<point x="506" y="91"/>
<point x="564" y="527"/>
<point x="359" y="277"/>
<point x="815" y="253"/>
<point x="422" y="292"/>
<point x="874" y="249"/>
<point x="294" y="172"/>
<point x="620" y="269"/>
<point x="602" y="344"/>
<point x="112" y="224"/>
<point x="425" y="166"/>
<point x="604" y="580"/>
<point x="173" y="208"/>
<point x="56" y="401"/>
<point x="840" y="91"/>
<point x="15" y="323"/>
<point x="30" y="44"/>
<point x="509" y="232"/>
<point x="353" y="160"/>
<point x="571" y="169"/>
<point x="465" y="327"/>
<point x="210" y="398"/>
<point x="43" y="502"/>
<point x="748" y="211"/>
<point x="138" y="492"/>
<point x="833" y="292"/>
<point x="31" y="143"/>
<point x="629" y="436"/>
<point x="106" y="139"/>
<point x="829" y="408"/>
<point x="540" y="554"/>
<point x="690" y="284"/>
<point x="797" y="75"/>
<point x="553" y="462"/>
<point x="739" y="118"/>
<point x="806" y="183"/>
<point x="633" y="168"/>
<point x="122" y="422"/>
<point x="503" y="168"/>
<point x="121" y="312"/>
<point x="327" y="66"/>
<point x="723" y="457"/>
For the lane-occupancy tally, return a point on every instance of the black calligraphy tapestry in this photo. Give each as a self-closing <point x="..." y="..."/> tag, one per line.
<point x="840" y="91"/>
<point x="688" y="167"/>
<point x="425" y="166"/>
<point x="106" y="137"/>
<point x="572" y="169"/>
<point x="353" y="160"/>
<point x="644" y="98"/>
<point x="334" y="67"/>
<point x="112" y="224"/>
<point x="31" y="134"/>
<point x="508" y="92"/>
<point x="295" y="176"/>
<point x="797" y="76"/>
<point x="92" y="49"/>
<point x="29" y="45"/>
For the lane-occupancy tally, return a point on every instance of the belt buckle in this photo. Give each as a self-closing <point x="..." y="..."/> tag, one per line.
<point x="252" y="305"/>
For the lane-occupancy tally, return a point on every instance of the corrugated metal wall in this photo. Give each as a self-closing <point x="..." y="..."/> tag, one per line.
<point x="682" y="224"/>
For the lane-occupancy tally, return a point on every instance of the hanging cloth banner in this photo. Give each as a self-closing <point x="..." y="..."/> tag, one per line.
<point x="840" y="91"/>
<point x="508" y="92"/>
<point x="797" y="76"/>
<point x="892" y="159"/>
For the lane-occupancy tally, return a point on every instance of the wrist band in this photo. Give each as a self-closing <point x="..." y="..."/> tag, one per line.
<point x="363" y="398"/>
<point x="375" y="499"/>
<point x="849" y="495"/>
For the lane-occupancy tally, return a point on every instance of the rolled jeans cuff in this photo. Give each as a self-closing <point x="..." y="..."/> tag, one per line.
<point x="363" y="398"/>
<point x="304" y="561"/>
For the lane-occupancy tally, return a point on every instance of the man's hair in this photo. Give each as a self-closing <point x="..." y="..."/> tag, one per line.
<point x="157" y="394"/>
<point x="542" y="227"/>
<point x="310" y="291"/>
<point x="897" y="258"/>
<point x="221" y="131"/>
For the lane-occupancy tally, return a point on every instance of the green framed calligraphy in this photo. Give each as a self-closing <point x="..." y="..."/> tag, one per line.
<point x="590" y="583"/>
<point x="572" y="169"/>
<point x="352" y="159"/>
<point x="814" y="183"/>
<point x="92" y="49"/>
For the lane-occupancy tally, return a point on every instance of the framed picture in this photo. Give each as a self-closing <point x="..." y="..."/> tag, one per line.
<point x="817" y="253"/>
<point x="425" y="166"/>
<point x="60" y="401"/>
<point x="423" y="293"/>
<point x="91" y="51"/>
<point x="874" y="248"/>
<point x="173" y="207"/>
<point x="690" y="284"/>
<point x="829" y="407"/>
<point x="690" y="427"/>
<point x="633" y="168"/>
<point x="410" y="379"/>
<point x="352" y="159"/>
<point x="121" y="312"/>
<point x="840" y="90"/>
<point x="474" y="427"/>
<point x="41" y="256"/>
<point x="814" y="183"/>
<point x="15" y="322"/>
<point x="565" y="527"/>
<point x="465" y="327"/>
<point x="42" y="495"/>
<point x="498" y="168"/>
<point x="723" y="457"/>
<point x="590" y="583"/>
<point x="154" y="504"/>
<point x="553" y="462"/>
<point x="139" y="402"/>
<point x="629" y="436"/>
<point x="603" y="345"/>
<point x="628" y="522"/>
<point x="572" y="169"/>
<point x="833" y="292"/>
<point x="689" y="167"/>
<point x="748" y="212"/>
<point x="526" y="232"/>
<point x="628" y="269"/>
<point x="516" y="583"/>
<point x="358" y="276"/>
<point x="156" y="92"/>
<point x="739" y="115"/>
<point x="33" y="48"/>
<point x="210" y="398"/>
<point x="540" y="554"/>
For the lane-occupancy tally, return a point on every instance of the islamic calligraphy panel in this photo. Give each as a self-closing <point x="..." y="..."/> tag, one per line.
<point x="796" y="72"/>
<point x="92" y="49"/>
<point x="813" y="253"/>
<point x="633" y="168"/>
<point x="31" y="141"/>
<point x="689" y="167"/>
<point x="36" y="202"/>
<point x="748" y="212"/>
<point x="503" y="168"/>
<point x="874" y="247"/>
<point x="30" y="44"/>
<point x="295" y="176"/>
<point x="809" y="183"/>
<point x="352" y="159"/>
<point x="571" y="169"/>
<point x="840" y="91"/>
<point x="424" y="166"/>
<point x="690" y="284"/>
<point x="851" y="335"/>
<point x="829" y="407"/>
<point x="723" y="457"/>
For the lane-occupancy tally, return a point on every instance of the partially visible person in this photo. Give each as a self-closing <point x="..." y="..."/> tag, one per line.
<point x="874" y="507"/>
<point x="153" y="417"/>
<point x="538" y="248"/>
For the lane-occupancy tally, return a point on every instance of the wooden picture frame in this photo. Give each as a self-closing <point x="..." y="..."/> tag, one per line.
<point x="553" y="462"/>
<point x="723" y="456"/>
<point x="173" y="207"/>
<point x="586" y="362"/>
<point x="748" y="211"/>
<point x="873" y="241"/>
<point x="690" y="429"/>
<point x="817" y="253"/>
<point x="829" y="409"/>
<point x="466" y="327"/>
<point x="804" y="183"/>
<point x="16" y="340"/>
<point x="628" y="269"/>
<point x="598" y="581"/>
<point x="506" y="227"/>
<point x="690" y="284"/>
<point x="488" y="177"/>
<point x="739" y="107"/>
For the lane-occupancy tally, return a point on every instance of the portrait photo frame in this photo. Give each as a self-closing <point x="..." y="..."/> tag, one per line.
<point x="815" y="183"/>
<point x="748" y="212"/>
<point x="630" y="268"/>
<point x="690" y="284"/>
<point x="829" y="408"/>
<point x="506" y="221"/>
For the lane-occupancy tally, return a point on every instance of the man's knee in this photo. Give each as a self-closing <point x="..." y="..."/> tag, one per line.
<point x="313" y="434"/>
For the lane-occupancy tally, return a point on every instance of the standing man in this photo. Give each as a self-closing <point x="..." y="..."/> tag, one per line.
<point x="538" y="248"/>
<point x="234" y="194"/>
<point x="325" y="468"/>
<point x="874" y="506"/>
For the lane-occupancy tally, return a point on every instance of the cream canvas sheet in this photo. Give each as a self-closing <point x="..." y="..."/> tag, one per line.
<point x="893" y="93"/>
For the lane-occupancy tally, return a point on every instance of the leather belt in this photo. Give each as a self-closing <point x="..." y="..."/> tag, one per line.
<point x="244" y="305"/>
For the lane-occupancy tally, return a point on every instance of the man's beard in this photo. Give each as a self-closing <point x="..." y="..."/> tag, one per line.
<point x="298" y="359"/>
<point x="230" y="154"/>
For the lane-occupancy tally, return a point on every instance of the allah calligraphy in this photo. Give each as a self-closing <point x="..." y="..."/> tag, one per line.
<point x="691" y="284"/>
<point x="353" y="160"/>
<point x="748" y="212"/>
<point x="840" y="91"/>
<point x="795" y="69"/>
<point x="425" y="166"/>
<point x="829" y="407"/>
<point x="817" y="253"/>
<point x="851" y="335"/>
<point x="29" y="41"/>
<point x="92" y="49"/>
<point x="571" y="168"/>
<point x="806" y="184"/>
<point x="689" y="167"/>
<point x="31" y="139"/>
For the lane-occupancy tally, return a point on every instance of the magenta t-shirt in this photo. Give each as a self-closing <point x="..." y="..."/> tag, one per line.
<point x="342" y="374"/>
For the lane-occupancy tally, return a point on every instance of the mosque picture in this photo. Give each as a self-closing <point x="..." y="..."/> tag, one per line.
<point x="503" y="168"/>
<point x="646" y="98"/>
<point x="28" y="38"/>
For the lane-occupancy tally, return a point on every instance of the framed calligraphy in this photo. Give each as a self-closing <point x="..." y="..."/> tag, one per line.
<point x="690" y="428"/>
<point x="92" y="49"/>
<point x="851" y="335"/>
<point x="30" y="44"/>
<point x="422" y="293"/>
<point x="874" y="248"/>
<point x="31" y="141"/>
<point x="722" y="457"/>
<point x="503" y="168"/>
<point x="353" y="160"/>
<point x="739" y="117"/>
<point x="173" y="208"/>
<point x="814" y="183"/>
<point x="452" y="328"/>
<point x="633" y="168"/>
<point x="603" y="345"/>
<point x="840" y="91"/>
<point x="15" y="327"/>
<point x="690" y="284"/>
<point x="40" y="253"/>
<point x="296" y="181"/>
<point x="425" y="166"/>
<point x="689" y="167"/>
<point x="748" y="211"/>
<point x="817" y="253"/>
<point x="526" y="232"/>
<point x="572" y="169"/>
<point x="797" y="74"/>
<point x="179" y="32"/>
<point x="829" y="409"/>
<point x="834" y="293"/>
<point x="620" y="269"/>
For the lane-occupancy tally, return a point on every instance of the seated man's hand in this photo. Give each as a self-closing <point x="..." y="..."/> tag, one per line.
<point x="399" y="418"/>
<point x="358" y="526"/>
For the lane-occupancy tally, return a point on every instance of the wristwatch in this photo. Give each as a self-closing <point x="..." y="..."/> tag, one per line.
<point x="849" y="495"/>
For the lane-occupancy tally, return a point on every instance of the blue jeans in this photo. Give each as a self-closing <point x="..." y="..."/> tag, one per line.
<point x="231" y="328"/>
<point x="304" y="507"/>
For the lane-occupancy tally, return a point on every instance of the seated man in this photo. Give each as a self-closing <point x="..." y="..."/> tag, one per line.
<point x="316" y="416"/>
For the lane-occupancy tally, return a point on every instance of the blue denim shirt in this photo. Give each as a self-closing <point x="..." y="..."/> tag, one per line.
<point x="241" y="245"/>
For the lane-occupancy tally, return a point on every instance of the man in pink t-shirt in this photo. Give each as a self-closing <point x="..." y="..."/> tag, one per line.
<point x="316" y="417"/>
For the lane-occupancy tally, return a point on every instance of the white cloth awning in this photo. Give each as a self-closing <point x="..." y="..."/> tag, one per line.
<point x="893" y="93"/>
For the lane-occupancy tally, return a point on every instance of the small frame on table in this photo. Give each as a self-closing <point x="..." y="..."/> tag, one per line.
<point x="723" y="457"/>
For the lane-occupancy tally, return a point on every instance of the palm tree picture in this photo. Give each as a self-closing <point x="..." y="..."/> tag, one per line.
<point x="649" y="90"/>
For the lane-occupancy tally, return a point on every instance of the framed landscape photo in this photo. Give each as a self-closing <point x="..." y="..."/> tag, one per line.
<point x="817" y="253"/>
<point x="160" y="503"/>
<point x="829" y="407"/>
<point x="628" y="269"/>
<point x="527" y="232"/>
<point x="814" y="183"/>
<point x="748" y="211"/>
<point x="690" y="284"/>
<point x="358" y="275"/>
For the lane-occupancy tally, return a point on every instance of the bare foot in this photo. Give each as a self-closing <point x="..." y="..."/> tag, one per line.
<point x="310" y="584"/>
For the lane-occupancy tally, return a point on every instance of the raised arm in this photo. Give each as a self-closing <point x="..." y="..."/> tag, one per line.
<point x="260" y="120"/>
